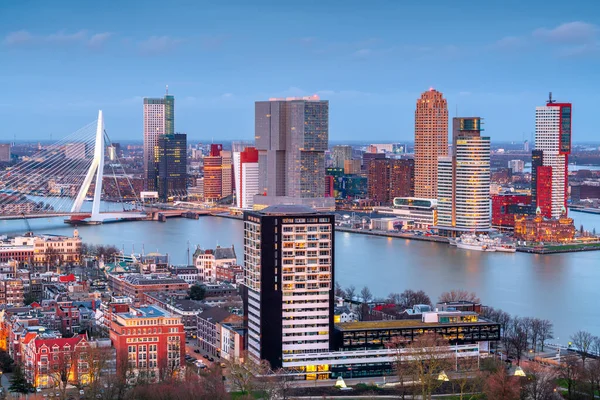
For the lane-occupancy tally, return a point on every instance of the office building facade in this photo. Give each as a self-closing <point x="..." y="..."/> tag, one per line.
<point x="553" y="139"/>
<point x="389" y="178"/>
<point x="159" y="119"/>
<point x="340" y="154"/>
<point x="171" y="160"/>
<point x="245" y="167"/>
<point x="218" y="176"/>
<point x="288" y="282"/>
<point x="291" y="136"/>
<point x="431" y="141"/>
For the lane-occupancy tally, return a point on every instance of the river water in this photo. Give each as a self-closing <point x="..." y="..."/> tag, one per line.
<point x="561" y="287"/>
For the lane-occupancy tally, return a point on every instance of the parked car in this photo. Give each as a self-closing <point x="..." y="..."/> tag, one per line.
<point x="197" y="351"/>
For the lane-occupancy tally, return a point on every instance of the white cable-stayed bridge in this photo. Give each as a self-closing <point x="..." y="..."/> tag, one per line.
<point x="58" y="179"/>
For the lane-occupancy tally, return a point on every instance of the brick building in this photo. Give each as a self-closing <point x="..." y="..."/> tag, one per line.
<point x="135" y="285"/>
<point x="207" y="261"/>
<point x="389" y="178"/>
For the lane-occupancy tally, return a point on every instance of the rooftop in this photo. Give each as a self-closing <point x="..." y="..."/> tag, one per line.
<point x="284" y="209"/>
<point x="145" y="312"/>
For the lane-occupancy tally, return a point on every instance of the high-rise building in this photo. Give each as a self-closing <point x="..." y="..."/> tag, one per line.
<point x="227" y="183"/>
<point x="171" y="160"/>
<point x="213" y="173"/>
<point x="340" y="154"/>
<point x="388" y="178"/>
<point x="553" y="139"/>
<point x="159" y="119"/>
<point x="517" y="166"/>
<point x="245" y="166"/>
<point x="526" y="145"/>
<point x="5" y="152"/>
<point x="464" y="179"/>
<point x="288" y="282"/>
<point x="292" y="137"/>
<point x="431" y="141"/>
<point x="352" y="167"/>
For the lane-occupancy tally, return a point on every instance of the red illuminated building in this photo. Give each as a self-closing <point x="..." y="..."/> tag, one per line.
<point x="329" y="183"/>
<point x="505" y="207"/>
<point x="544" y="190"/>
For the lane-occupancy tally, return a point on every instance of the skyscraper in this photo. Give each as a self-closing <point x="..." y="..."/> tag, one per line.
<point x="158" y="120"/>
<point x="388" y="178"/>
<point x="340" y="154"/>
<point x="291" y="137"/>
<point x="553" y="139"/>
<point x="288" y="282"/>
<point x="431" y="141"/>
<point x="245" y="167"/>
<point x="464" y="179"/>
<point x="213" y="173"/>
<point x="171" y="156"/>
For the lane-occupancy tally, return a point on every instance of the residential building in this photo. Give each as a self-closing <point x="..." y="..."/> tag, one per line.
<point x="341" y="154"/>
<point x="42" y="250"/>
<point x="288" y="265"/>
<point x="231" y="273"/>
<point x="171" y="159"/>
<point x="149" y="341"/>
<point x="352" y="167"/>
<point x="189" y="273"/>
<point x="12" y="292"/>
<point x="431" y="141"/>
<point x="231" y="341"/>
<point x="538" y="228"/>
<point x="553" y="139"/>
<point x="245" y="166"/>
<point x="46" y="359"/>
<point x="517" y="166"/>
<point x="464" y="180"/>
<point x="159" y="119"/>
<point x="136" y="285"/>
<point x="291" y="136"/>
<point x="4" y="152"/>
<point x="208" y="329"/>
<point x="389" y="178"/>
<point x="206" y="261"/>
<point x="178" y="305"/>
<point x="505" y="207"/>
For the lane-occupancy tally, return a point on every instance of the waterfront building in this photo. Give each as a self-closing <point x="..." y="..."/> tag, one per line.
<point x="136" y="285"/>
<point x="422" y="212"/>
<point x="288" y="287"/>
<point x="47" y="358"/>
<point x="464" y="180"/>
<point x="352" y="167"/>
<point x="516" y="166"/>
<point x="149" y="341"/>
<point x="41" y="250"/>
<point x="585" y="190"/>
<point x="341" y="154"/>
<point x="553" y="139"/>
<point x="505" y="207"/>
<point x="159" y="119"/>
<point x="218" y="182"/>
<point x="431" y="141"/>
<point x="388" y="178"/>
<point x="4" y="152"/>
<point x="171" y="159"/>
<point x="292" y="136"/>
<point x="207" y="261"/>
<point x="245" y="166"/>
<point x="538" y="228"/>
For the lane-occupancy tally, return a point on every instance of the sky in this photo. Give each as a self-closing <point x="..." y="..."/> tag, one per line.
<point x="62" y="61"/>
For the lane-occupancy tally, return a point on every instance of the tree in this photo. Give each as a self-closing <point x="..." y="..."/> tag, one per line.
<point x="401" y="365"/>
<point x="6" y="362"/>
<point x="197" y="292"/>
<point x="243" y="375"/>
<point x="430" y="355"/>
<point x="569" y="371"/>
<point x="409" y="298"/>
<point x="500" y="386"/>
<point x="583" y="341"/>
<point x="18" y="382"/>
<point x="546" y="332"/>
<point x="339" y="292"/>
<point x="591" y="374"/>
<point x="350" y="292"/>
<point x="366" y="295"/>
<point x="458" y="295"/>
<point x="469" y="381"/>
<point x="516" y="339"/>
<point x="394" y="298"/>
<point x="29" y="298"/>
<point x="540" y="383"/>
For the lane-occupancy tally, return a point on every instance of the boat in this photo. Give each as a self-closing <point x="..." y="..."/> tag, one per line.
<point x="472" y="242"/>
<point x="452" y="241"/>
<point x="506" y="248"/>
<point x="88" y="199"/>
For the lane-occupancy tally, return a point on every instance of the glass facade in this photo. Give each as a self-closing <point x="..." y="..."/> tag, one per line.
<point x="171" y="161"/>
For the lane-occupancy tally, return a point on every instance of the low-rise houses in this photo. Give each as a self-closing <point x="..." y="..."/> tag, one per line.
<point x="177" y="304"/>
<point x="136" y="285"/>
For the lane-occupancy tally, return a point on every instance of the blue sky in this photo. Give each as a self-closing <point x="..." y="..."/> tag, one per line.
<point x="61" y="61"/>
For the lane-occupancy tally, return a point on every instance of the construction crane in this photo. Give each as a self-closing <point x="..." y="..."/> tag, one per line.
<point x="29" y="230"/>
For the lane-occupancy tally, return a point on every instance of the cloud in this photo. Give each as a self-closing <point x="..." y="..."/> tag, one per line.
<point x="158" y="45"/>
<point x="82" y="37"/>
<point x="509" y="43"/>
<point x="576" y="32"/>
<point x="362" y="53"/>
<point x="213" y="42"/>
<point x="583" y="50"/>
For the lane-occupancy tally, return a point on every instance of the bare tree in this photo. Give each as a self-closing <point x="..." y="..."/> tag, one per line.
<point x="595" y="347"/>
<point x="534" y="332"/>
<point x="409" y="298"/>
<point x="366" y="295"/>
<point x="458" y="295"/>
<point x="339" y="292"/>
<point x="570" y="372"/>
<point x="501" y="386"/>
<point x="583" y="342"/>
<point x="591" y="374"/>
<point x="244" y="375"/>
<point x="430" y="355"/>
<point x="540" y="383"/>
<point x="394" y="298"/>
<point x="350" y="292"/>
<point x="469" y="381"/>
<point x="516" y="339"/>
<point x="402" y="366"/>
<point x="546" y="332"/>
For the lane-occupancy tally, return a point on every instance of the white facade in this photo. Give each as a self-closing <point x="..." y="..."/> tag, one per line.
<point x="207" y="266"/>
<point x="547" y="139"/>
<point x="154" y="126"/>
<point x="472" y="198"/>
<point x="423" y="212"/>
<point x="246" y="182"/>
<point x="517" y="166"/>
<point x="444" y="191"/>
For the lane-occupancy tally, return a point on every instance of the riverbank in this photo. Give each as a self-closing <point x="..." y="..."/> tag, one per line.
<point x="437" y="239"/>
<point x="560" y="248"/>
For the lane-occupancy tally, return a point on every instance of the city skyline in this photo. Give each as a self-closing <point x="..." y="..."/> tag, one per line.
<point x="60" y="71"/>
